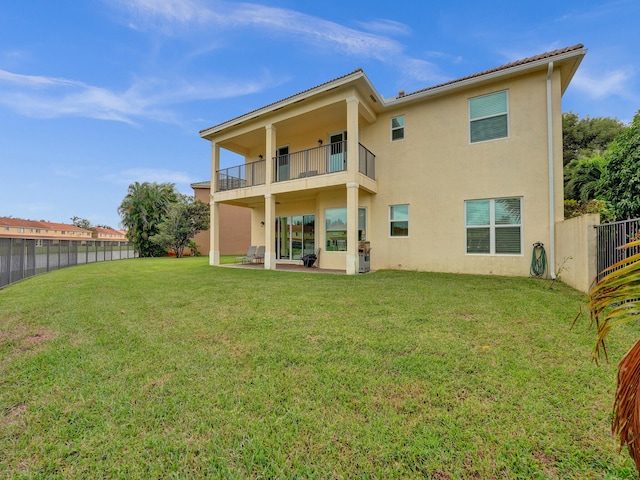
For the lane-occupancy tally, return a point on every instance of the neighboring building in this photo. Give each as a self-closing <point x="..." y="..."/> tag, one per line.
<point x="235" y="225"/>
<point x="101" y="233"/>
<point x="461" y="177"/>
<point x="20" y="228"/>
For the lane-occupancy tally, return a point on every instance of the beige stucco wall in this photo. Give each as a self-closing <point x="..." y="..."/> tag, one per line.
<point x="235" y="228"/>
<point x="576" y="248"/>
<point x="435" y="169"/>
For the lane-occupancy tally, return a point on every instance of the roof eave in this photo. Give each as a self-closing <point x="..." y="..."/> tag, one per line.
<point x="492" y="76"/>
<point x="339" y="82"/>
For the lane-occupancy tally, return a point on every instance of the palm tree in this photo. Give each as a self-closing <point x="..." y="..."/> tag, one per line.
<point x="142" y="211"/>
<point x="582" y="177"/>
<point x="615" y="300"/>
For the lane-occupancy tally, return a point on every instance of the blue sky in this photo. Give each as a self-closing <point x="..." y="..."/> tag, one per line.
<point x="95" y="95"/>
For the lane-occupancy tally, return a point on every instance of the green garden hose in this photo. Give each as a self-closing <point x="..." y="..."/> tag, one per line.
<point x="538" y="260"/>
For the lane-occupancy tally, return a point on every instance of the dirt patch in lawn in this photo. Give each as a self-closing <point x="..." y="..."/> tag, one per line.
<point x="21" y="339"/>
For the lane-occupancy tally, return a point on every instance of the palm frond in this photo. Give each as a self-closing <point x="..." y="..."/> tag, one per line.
<point x="613" y="301"/>
<point x="626" y="420"/>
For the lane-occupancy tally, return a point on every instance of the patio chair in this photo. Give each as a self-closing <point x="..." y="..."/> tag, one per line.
<point x="259" y="255"/>
<point x="248" y="257"/>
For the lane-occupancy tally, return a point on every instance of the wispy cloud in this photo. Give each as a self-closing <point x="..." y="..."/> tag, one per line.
<point x="48" y="97"/>
<point x="160" y="12"/>
<point x="605" y="84"/>
<point x="384" y="26"/>
<point x="42" y="96"/>
<point x="374" y="43"/>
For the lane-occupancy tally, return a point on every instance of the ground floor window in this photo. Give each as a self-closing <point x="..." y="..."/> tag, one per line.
<point x="494" y="226"/>
<point x="295" y="236"/>
<point x="336" y="228"/>
<point x="399" y="220"/>
<point x="362" y="224"/>
<point x="335" y="220"/>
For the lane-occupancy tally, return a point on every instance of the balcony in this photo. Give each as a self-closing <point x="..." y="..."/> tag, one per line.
<point x="241" y="176"/>
<point x="321" y="160"/>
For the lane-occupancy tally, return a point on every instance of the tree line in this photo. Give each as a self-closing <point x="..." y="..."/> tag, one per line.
<point x="158" y="218"/>
<point x="601" y="158"/>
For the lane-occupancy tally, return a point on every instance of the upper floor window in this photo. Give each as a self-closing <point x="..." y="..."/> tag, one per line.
<point x="399" y="220"/>
<point x="494" y="226"/>
<point x="397" y="128"/>
<point x="488" y="117"/>
<point x="21" y="230"/>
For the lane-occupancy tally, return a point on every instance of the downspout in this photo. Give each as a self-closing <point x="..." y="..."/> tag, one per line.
<point x="552" y="217"/>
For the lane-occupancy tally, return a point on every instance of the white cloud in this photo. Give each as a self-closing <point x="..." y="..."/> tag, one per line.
<point x="606" y="84"/>
<point x="220" y="15"/>
<point x="160" y="12"/>
<point x="36" y="81"/>
<point x="455" y="59"/>
<point x="48" y="97"/>
<point x="421" y="70"/>
<point x="386" y="26"/>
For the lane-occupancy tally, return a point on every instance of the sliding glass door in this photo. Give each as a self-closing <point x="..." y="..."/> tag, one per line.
<point x="295" y="236"/>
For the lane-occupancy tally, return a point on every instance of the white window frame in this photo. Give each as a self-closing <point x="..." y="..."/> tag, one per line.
<point x="493" y="226"/>
<point x="506" y="113"/>
<point x="407" y="220"/>
<point x="341" y="248"/>
<point x="397" y="129"/>
<point x="363" y="209"/>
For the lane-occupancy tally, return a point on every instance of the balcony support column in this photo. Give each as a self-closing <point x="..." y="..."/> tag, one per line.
<point x="215" y="167"/>
<point x="269" y="233"/>
<point x="353" y="189"/>
<point x="353" y="136"/>
<point x="270" y="153"/>
<point x="214" y="234"/>
<point x="214" y="211"/>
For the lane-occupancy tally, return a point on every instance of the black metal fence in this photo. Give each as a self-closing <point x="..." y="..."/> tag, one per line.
<point x="611" y="238"/>
<point x="25" y="257"/>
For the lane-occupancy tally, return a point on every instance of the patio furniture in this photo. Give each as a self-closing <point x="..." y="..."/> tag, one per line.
<point x="259" y="255"/>
<point x="248" y="258"/>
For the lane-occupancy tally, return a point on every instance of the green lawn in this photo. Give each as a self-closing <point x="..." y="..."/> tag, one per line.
<point x="169" y="368"/>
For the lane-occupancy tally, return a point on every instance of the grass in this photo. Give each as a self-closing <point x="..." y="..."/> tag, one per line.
<point x="167" y="368"/>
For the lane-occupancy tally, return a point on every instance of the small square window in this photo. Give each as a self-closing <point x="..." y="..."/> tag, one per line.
<point x="397" y="128"/>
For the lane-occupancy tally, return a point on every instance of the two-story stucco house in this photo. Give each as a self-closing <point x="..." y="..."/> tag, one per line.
<point x="460" y="177"/>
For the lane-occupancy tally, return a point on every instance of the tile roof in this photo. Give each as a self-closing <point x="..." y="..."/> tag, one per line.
<point x="357" y="70"/>
<point x="506" y="66"/>
<point x="19" y="222"/>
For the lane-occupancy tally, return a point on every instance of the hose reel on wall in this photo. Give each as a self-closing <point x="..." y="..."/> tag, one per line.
<point x="538" y="260"/>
